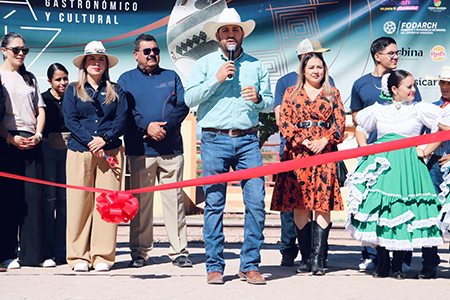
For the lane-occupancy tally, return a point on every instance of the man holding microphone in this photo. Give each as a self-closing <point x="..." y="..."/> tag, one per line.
<point x="230" y="92"/>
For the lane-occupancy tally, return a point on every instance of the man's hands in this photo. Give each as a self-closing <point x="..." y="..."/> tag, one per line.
<point x="249" y="93"/>
<point x="315" y="146"/>
<point x="444" y="159"/>
<point x="156" y="131"/>
<point x="226" y="69"/>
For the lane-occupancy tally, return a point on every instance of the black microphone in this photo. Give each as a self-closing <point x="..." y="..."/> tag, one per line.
<point x="231" y="49"/>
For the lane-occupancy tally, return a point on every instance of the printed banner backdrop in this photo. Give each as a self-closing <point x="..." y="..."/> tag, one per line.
<point x="57" y="31"/>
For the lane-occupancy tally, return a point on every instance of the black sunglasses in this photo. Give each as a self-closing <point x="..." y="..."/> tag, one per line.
<point x="147" y="51"/>
<point x="16" y="50"/>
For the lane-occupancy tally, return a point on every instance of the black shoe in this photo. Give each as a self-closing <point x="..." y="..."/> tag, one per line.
<point x="426" y="274"/>
<point x="378" y="274"/>
<point x="399" y="275"/>
<point x="319" y="245"/>
<point x="182" y="262"/>
<point x="137" y="262"/>
<point x="287" y="260"/>
<point x="397" y="264"/>
<point x="384" y="263"/>
<point x="305" y="244"/>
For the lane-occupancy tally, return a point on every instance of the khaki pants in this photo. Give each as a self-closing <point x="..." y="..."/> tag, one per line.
<point x="89" y="238"/>
<point x="144" y="170"/>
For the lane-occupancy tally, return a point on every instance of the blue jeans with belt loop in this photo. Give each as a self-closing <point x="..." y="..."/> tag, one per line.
<point x="219" y="152"/>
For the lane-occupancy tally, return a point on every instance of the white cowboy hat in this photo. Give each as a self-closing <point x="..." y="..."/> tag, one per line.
<point x="229" y="16"/>
<point x="445" y="74"/>
<point x="310" y="45"/>
<point x="95" y="48"/>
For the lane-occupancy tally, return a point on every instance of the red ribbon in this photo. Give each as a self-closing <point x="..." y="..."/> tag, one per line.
<point x="117" y="207"/>
<point x="302" y="162"/>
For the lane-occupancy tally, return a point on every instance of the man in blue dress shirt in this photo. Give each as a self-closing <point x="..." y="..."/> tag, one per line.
<point x="230" y="93"/>
<point x="154" y="148"/>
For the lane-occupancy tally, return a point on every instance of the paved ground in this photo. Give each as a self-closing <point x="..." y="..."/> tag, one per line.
<point x="161" y="280"/>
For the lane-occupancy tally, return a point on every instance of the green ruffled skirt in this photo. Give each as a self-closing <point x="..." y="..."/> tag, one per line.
<point x="392" y="201"/>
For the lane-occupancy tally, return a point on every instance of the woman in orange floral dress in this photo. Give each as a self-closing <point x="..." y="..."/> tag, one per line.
<point x="312" y="193"/>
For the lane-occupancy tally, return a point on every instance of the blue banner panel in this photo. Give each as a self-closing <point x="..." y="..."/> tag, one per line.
<point x="57" y="30"/>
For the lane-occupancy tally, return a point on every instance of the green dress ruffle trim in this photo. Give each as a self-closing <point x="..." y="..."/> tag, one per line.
<point x="392" y="201"/>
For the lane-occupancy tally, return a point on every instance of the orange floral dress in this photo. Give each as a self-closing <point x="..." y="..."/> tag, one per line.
<point x="314" y="188"/>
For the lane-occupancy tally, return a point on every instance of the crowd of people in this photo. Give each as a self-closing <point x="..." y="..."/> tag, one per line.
<point x="394" y="203"/>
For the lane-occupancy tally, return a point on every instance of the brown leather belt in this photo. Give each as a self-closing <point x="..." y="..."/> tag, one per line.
<point x="232" y="132"/>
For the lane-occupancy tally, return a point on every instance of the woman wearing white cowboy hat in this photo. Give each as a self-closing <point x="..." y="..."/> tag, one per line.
<point x="95" y="113"/>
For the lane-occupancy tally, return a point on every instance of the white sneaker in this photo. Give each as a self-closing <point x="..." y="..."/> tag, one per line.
<point x="48" y="263"/>
<point x="81" y="267"/>
<point x="101" y="267"/>
<point x="12" y="264"/>
<point x="367" y="264"/>
<point x="406" y="268"/>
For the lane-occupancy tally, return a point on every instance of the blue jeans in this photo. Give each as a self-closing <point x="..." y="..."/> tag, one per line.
<point x="55" y="201"/>
<point x="219" y="152"/>
<point x="435" y="172"/>
<point x="288" y="235"/>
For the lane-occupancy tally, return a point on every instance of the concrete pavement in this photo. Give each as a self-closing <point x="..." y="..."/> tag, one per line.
<point x="162" y="280"/>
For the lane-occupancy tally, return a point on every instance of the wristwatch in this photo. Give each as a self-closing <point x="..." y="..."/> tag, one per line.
<point x="259" y="99"/>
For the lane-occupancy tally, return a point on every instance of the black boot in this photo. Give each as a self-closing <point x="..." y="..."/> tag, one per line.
<point x="384" y="263"/>
<point x="397" y="264"/>
<point x="319" y="245"/>
<point x="430" y="262"/>
<point x="304" y="241"/>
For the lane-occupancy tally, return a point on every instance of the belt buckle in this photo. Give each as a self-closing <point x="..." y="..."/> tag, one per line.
<point x="230" y="132"/>
<point x="308" y="123"/>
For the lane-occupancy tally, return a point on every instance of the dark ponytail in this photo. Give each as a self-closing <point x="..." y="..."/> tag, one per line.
<point x="396" y="77"/>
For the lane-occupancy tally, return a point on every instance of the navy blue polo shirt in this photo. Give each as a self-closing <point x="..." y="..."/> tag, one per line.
<point x="155" y="97"/>
<point x="92" y="118"/>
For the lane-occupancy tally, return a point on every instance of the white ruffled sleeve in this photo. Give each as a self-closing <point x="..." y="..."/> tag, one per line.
<point x="430" y="115"/>
<point x="367" y="117"/>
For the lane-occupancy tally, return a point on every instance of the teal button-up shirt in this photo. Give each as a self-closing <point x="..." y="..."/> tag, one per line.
<point x="220" y="105"/>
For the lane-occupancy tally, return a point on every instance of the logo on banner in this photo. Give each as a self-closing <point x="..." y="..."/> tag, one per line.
<point x="410" y="54"/>
<point x="437" y="7"/>
<point x="412" y="27"/>
<point x="389" y="27"/>
<point x="438" y="53"/>
<point x="425" y="83"/>
<point x="399" y="5"/>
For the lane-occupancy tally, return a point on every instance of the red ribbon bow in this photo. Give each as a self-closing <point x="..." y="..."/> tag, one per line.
<point x="117" y="207"/>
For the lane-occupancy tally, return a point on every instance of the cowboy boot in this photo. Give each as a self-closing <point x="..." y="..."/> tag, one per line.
<point x="304" y="241"/>
<point x="397" y="265"/>
<point x="430" y="262"/>
<point x="319" y="245"/>
<point x="384" y="263"/>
